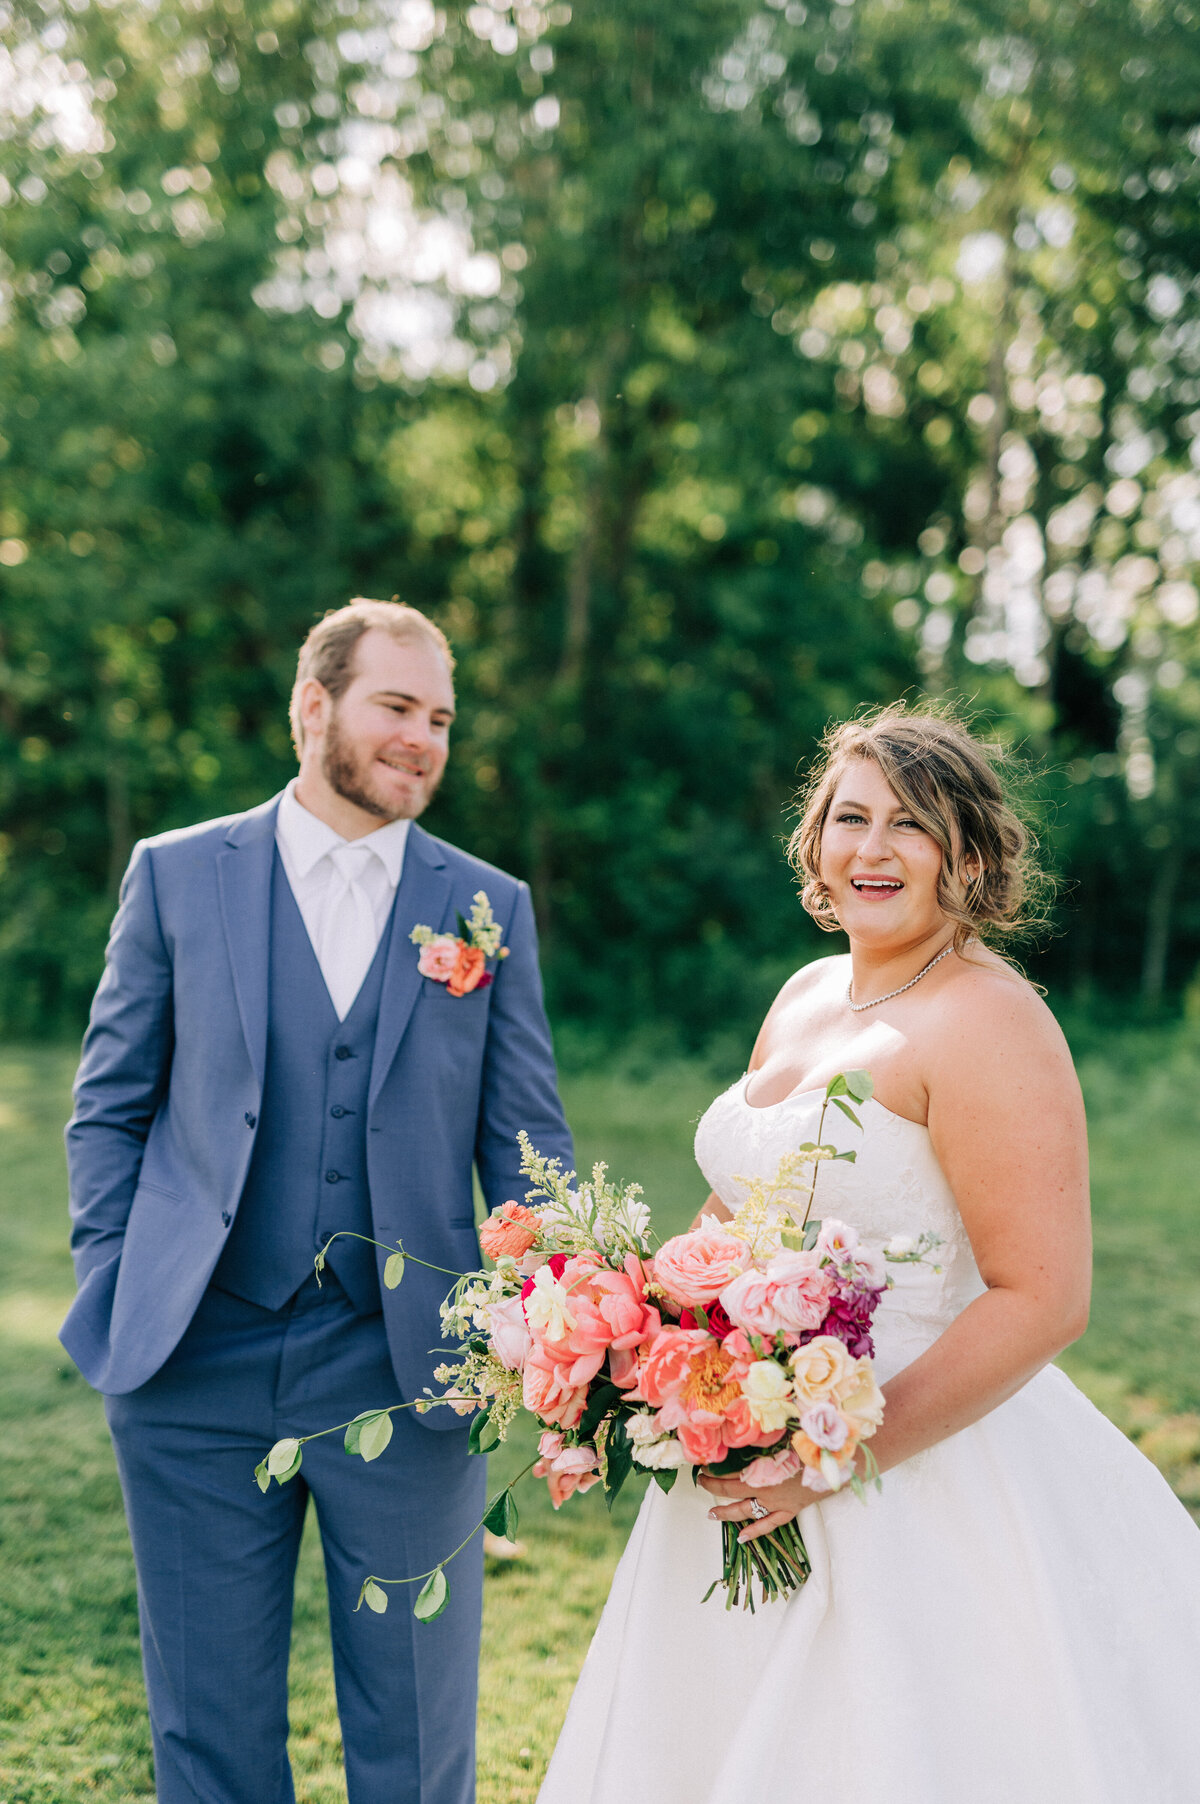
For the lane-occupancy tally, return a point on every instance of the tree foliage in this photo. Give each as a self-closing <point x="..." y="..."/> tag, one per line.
<point x="705" y="371"/>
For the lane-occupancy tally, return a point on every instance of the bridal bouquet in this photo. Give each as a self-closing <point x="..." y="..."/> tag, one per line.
<point x="742" y="1347"/>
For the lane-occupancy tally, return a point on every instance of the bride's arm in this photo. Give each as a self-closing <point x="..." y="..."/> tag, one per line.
<point x="1007" y="1124"/>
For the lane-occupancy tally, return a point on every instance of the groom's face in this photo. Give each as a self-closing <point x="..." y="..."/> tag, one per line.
<point x="387" y="737"/>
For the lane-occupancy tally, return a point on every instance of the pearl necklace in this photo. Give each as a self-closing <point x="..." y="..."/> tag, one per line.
<point x="858" y="1007"/>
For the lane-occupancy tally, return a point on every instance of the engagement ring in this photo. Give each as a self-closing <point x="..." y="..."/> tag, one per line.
<point x="757" y="1510"/>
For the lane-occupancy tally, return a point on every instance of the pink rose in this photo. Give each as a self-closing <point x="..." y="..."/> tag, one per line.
<point x="509" y="1333"/>
<point x="563" y="1479"/>
<point x="548" y="1390"/>
<point x="695" y="1268"/>
<point x="550" y="1444"/>
<point x="772" y="1468"/>
<point x="511" y="1229"/>
<point x="439" y="957"/>
<point x="790" y="1296"/>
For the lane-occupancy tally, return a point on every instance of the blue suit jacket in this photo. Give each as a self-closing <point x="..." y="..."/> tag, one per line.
<point x="170" y="1085"/>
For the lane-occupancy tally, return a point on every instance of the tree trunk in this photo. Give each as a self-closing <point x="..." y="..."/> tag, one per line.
<point x="1158" y="925"/>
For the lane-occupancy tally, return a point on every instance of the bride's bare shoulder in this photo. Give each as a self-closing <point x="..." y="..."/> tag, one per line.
<point x="803" y="989"/>
<point x="992" y="1025"/>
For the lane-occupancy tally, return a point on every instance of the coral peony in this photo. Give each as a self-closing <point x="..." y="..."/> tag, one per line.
<point x="512" y="1229"/>
<point x="551" y="1391"/>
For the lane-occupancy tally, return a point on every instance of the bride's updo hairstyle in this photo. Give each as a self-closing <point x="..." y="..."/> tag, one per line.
<point x="955" y="786"/>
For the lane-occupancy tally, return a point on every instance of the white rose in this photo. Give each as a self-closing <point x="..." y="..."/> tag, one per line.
<point x="661" y="1456"/>
<point x="643" y="1429"/>
<point x="768" y="1393"/>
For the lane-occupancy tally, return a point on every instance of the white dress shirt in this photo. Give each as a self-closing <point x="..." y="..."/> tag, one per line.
<point x="344" y="889"/>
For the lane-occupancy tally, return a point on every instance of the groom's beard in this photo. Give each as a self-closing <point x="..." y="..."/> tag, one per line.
<point x="349" y="773"/>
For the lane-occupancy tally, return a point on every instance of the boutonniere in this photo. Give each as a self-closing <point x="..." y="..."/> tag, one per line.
<point x="460" y="960"/>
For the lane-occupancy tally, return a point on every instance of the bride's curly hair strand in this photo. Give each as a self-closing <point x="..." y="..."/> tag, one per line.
<point x="958" y="788"/>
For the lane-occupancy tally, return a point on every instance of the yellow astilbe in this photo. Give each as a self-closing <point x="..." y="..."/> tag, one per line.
<point x="773" y="1205"/>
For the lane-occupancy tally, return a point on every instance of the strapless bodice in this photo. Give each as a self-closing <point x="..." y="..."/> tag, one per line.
<point x="894" y="1186"/>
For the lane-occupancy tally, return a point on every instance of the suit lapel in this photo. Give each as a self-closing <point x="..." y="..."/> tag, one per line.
<point x="421" y="900"/>
<point x="244" y="880"/>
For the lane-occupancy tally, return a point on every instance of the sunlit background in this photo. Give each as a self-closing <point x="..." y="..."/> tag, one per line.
<point x="706" y="371"/>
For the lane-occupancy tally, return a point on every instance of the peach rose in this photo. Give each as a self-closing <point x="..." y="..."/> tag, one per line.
<point x="511" y="1229"/>
<point x="819" y="1369"/>
<point x="695" y="1268"/>
<point x="548" y="1391"/>
<point x="468" y="970"/>
<point x="860" y="1398"/>
<point x="702" y="1441"/>
<point x="439" y="957"/>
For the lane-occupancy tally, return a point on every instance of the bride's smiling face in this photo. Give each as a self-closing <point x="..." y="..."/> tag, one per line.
<point x="880" y="866"/>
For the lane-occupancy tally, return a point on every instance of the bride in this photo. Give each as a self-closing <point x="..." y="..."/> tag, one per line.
<point x="1017" y="1615"/>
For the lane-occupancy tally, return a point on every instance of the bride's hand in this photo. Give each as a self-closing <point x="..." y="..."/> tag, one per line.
<point x="782" y="1502"/>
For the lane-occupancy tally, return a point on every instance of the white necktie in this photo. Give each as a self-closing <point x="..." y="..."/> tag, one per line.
<point x="349" y="934"/>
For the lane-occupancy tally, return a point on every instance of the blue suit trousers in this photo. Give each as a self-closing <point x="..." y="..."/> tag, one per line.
<point x="216" y="1559"/>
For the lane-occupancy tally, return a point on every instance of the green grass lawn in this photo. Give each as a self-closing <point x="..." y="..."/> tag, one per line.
<point x="72" y="1722"/>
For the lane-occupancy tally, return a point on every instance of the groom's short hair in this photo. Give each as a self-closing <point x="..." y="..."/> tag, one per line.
<point x="328" y="654"/>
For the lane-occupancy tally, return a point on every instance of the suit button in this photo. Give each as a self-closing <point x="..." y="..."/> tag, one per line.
<point x="332" y="1177"/>
<point x="342" y="1052"/>
<point x="337" y="1111"/>
<point x="251" y="1120"/>
<point x="226" y="1218"/>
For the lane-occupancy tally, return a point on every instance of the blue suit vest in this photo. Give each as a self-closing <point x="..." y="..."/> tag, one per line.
<point x="308" y="1173"/>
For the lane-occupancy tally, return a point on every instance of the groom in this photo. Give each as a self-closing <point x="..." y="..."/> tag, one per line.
<point x="266" y="1065"/>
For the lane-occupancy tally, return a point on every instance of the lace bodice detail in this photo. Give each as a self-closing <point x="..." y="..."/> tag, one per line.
<point x="895" y="1186"/>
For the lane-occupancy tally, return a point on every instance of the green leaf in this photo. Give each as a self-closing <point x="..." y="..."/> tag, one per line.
<point x="861" y="1085"/>
<point x="283" y="1461"/>
<point x="484" y="1434"/>
<point x="464" y="927"/>
<point x="501" y="1518"/>
<point x="811" y="1230"/>
<point x="664" y="1480"/>
<point x="618" y="1460"/>
<point x="393" y="1270"/>
<point x="603" y="1400"/>
<point x="837" y="1086"/>
<point x="701" y="1315"/>
<point x="262" y="1475"/>
<point x="319" y="1262"/>
<point x="374" y="1596"/>
<point x="432" y="1598"/>
<point x="850" y="1158"/>
<point x="374" y="1435"/>
<point x="846" y="1110"/>
<point x="794" y="1239"/>
<point x="354" y="1429"/>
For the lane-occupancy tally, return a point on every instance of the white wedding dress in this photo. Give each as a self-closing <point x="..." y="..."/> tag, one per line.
<point x="1015" y="1619"/>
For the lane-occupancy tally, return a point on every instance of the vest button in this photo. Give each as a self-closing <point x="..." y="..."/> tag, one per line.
<point x="226" y="1218"/>
<point x="251" y="1120"/>
<point x="332" y="1177"/>
<point x="342" y="1052"/>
